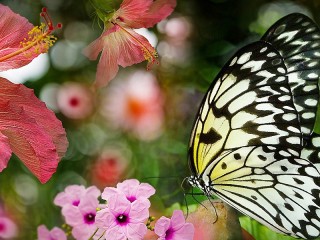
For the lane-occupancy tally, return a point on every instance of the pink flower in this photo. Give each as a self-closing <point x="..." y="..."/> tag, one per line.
<point x="75" y="100"/>
<point x="123" y="219"/>
<point x="55" y="233"/>
<point x="132" y="189"/>
<point x="29" y="130"/>
<point x="20" y="41"/>
<point x="8" y="229"/>
<point x="109" y="168"/>
<point x="175" y="228"/>
<point x="120" y="44"/>
<point x="135" y="105"/>
<point x="82" y="218"/>
<point x="73" y="194"/>
<point x="27" y="127"/>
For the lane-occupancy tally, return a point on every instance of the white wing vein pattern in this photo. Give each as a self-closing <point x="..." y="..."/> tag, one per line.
<point x="253" y="143"/>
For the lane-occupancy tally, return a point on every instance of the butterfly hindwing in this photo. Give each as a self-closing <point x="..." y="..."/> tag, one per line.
<point x="270" y="185"/>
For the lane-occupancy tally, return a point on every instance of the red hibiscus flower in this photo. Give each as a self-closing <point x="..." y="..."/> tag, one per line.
<point x="27" y="127"/>
<point x="120" y="44"/>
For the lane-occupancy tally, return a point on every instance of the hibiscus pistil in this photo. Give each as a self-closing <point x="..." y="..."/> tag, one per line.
<point x="39" y="37"/>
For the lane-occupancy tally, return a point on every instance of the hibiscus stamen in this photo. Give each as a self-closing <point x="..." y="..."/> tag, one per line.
<point x="38" y="37"/>
<point x="149" y="54"/>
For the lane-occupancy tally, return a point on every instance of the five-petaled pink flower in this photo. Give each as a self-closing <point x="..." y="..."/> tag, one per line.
<point x="55" y="233"/>
<point x="82" y="218"/>
<point x="123" y="219"/>
<point x="73" y="194"/>
<point x="120" y="44"/>
<point x="27" y="127"/>
<point x="8" y="229"/>
<point x="132" y="189"/>
<point x="175" y="228"/>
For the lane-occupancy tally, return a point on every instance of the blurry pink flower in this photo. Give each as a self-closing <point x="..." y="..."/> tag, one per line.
<point x="123" y="219"/>
<point x="8" y="229"/>
<point x="135" y="105"/>
<point x="120" y="44"/>
<point x="109" y="168"/>
<point x="82" y="218"/>
<point x="74" y="193"/>
<point x="132" y="189"/>
<point x="29" y="130"/>
<point x="20" y="41"/>
<point x="75" y="100"/>
<point x="175" y="228"/>
<point x="55" y="233"/>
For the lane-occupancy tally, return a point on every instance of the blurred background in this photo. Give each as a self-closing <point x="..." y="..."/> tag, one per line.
<point x="139" y="125"/>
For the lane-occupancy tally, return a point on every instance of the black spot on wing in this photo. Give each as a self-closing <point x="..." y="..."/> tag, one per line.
<point x="210" y="137"/>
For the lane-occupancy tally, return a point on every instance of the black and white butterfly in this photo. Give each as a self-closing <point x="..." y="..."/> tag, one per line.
<point x="253" y="143"/>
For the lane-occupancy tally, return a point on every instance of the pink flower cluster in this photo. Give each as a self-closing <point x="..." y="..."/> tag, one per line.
<point x="124" y="215"/>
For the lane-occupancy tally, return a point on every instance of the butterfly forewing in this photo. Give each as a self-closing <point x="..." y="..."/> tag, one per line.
<point x="255" y="126"/>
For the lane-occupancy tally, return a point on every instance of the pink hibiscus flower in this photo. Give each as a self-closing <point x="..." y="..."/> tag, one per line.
<point x="175" y="228"/>
<point x="132" y="189"/>
<point x="120" y="44"/>
<point x="73" y="194"/>
<point x="123" y="219"/>
<point x="27" y="127"/>
<point x="55" y="233"/>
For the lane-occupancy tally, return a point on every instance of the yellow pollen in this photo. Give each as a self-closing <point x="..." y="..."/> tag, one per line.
<point x="39" y="38"/>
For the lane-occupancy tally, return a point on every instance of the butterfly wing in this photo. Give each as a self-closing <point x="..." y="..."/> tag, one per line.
<point x="281" y="192"/>
<point x="262" y="107"/>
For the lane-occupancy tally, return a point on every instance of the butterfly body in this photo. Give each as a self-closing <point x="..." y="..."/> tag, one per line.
<point x="252" y="143"/>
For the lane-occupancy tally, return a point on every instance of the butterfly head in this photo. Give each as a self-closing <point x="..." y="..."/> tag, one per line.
<point x="199" y="182"/>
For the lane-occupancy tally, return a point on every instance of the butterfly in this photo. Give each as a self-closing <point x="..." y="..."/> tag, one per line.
<point x="253" y="144"/>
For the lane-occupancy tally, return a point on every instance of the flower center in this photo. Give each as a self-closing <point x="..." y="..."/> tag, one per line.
<point x="169" y="234"/>
<point x="89" y="218"/>
<point x="122" y="219"/>
<point x="39" y="38"/>
<point x="74" y="102"/>
<point x="76" y="203"/>
<point x="132" y="198"/>
<point x="2" y="227"/>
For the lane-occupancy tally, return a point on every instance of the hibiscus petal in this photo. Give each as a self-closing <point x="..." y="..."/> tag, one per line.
<point x="134" y="48"/>
<point x="13" y="29"/>
<point x="33" y="132"/>
<point x="45" y="118"/>
<point x="144" y="13"/>
<point x="108" y="66"/>
<point x="5" y="151"/>
<point x="28" y="141"/>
